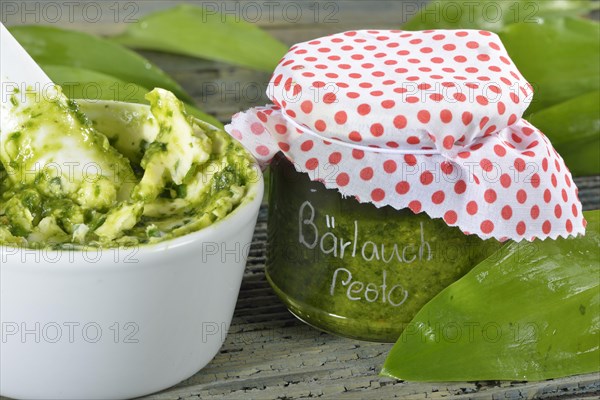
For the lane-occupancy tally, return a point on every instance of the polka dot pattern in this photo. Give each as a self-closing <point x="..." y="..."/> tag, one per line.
<point x="386" y="84"/>
<point x="494" y="174"/>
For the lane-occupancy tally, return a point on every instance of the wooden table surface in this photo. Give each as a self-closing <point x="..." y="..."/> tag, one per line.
<point x="268" y="353"/>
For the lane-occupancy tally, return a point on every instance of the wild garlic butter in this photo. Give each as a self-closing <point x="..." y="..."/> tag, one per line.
<point x="107" y="174"/>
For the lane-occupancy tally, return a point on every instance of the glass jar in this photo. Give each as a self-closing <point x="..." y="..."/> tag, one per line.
<point x="351" y="268"/>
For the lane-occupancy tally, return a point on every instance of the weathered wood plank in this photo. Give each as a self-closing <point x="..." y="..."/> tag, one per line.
<point x="268" y="352"/>
<point x="111" y="17"/>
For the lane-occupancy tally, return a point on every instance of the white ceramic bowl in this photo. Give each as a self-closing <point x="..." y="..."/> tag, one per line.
<point x="115" y="324"/>
<point x="119" y="324"/>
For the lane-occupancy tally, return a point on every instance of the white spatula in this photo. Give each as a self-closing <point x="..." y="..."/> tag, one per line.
<point x="18" y="72"/>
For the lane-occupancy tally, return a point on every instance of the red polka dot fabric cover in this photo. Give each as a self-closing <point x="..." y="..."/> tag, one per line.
<point x="430" y="120"/>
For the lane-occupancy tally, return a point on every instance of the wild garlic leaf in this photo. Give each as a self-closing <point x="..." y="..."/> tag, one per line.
<point x="192" y="31"/>
<point x="528" y="312"/>
<point x="54" y="46"/>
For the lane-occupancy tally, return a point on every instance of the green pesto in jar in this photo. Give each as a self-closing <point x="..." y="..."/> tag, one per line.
<point x="353" y="269"/>
<point x="107" y="174"/>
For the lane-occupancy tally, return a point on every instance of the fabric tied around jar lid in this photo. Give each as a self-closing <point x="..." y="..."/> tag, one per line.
<point x="429" y="120"/>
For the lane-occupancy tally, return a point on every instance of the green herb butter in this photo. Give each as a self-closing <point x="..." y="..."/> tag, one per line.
<point x="109" y="174"/>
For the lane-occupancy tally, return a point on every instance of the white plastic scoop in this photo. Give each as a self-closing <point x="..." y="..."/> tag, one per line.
<point x="17" y="66"/>
<point x="18" y="72"/>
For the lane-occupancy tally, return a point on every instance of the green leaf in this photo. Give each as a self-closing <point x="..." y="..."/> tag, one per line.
<point x="80" y="83"/>
<point x="198" y="32"/>
<point x="529" y="312"/>
<point x="493" y="15"/>
<point x="574" y="129"/>
<point x="559" y="57"/>
<point x="53" y="46"/>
